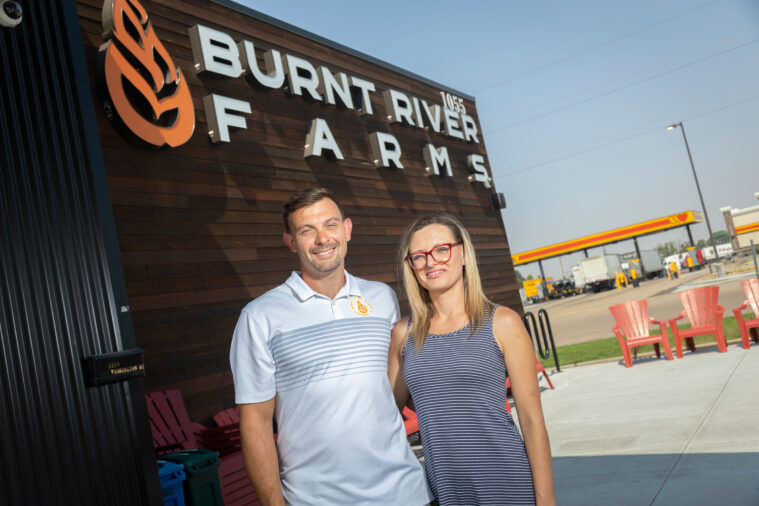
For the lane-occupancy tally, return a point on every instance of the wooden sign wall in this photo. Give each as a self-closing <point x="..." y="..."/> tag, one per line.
<point x="200" y="224"/>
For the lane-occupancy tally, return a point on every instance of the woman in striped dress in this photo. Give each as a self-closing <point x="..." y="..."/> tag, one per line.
<point x="451" y="358"/>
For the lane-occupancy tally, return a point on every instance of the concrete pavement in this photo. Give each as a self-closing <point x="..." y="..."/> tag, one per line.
<point x="682" y="432"/>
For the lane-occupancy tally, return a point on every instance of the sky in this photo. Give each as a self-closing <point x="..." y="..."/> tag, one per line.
<point x="574" y="99"/>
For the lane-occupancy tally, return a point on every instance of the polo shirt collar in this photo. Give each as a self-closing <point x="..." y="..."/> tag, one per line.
<point x="305" y="292"/>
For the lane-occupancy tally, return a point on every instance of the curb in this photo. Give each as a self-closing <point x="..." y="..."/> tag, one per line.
<point x="715" y="281"/>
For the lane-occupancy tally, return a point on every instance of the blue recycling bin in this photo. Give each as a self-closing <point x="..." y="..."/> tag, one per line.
<point x="172" y="477"/>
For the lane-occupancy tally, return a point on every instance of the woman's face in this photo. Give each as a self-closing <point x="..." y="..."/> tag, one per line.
<point x="437" y="274"/>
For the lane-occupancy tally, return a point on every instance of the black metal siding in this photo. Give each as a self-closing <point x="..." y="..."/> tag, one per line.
<point x="61" y="442"/>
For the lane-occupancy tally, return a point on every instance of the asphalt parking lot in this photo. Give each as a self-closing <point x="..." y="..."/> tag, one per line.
<point x="586" y="317"/>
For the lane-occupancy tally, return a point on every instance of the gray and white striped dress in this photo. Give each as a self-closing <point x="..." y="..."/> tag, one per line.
<point x="473" y="451"/>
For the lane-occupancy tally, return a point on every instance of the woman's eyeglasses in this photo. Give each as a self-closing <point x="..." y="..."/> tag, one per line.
<point x="440" y="253"/>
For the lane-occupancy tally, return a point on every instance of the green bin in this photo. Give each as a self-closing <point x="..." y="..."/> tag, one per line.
<point x="201" y="487"/>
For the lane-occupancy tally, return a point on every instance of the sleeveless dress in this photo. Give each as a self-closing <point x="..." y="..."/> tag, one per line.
<point x="473" y="451"/>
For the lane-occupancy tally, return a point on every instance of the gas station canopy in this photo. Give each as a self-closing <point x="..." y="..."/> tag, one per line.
<point x="681" y="219"/>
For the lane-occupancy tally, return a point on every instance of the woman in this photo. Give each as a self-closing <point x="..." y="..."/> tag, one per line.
<point x="451" y="356"/>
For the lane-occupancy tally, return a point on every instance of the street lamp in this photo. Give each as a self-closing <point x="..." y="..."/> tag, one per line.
<point x="698" y="187"/>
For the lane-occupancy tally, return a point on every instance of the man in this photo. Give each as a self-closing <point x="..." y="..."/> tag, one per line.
<point x="314" y="351"/>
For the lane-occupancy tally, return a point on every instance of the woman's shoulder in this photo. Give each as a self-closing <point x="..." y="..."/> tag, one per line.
<point x="505" y="318"/>
<point x="401" y="324"/>
<point x="505" y="314"/>
<point x="399" y="329"/>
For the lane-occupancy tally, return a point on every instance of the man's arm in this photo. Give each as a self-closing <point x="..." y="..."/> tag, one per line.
<point x="259" y="451"/>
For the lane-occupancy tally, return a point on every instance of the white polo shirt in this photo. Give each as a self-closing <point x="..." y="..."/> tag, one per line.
<point x="341" y="439"/>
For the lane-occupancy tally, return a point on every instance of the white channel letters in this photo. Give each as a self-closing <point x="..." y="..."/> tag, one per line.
<point x="215" y="52"/>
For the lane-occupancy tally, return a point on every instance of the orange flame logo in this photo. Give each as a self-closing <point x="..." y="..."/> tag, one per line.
<point x="144" y="92"/>
<point x="361" y="306"/>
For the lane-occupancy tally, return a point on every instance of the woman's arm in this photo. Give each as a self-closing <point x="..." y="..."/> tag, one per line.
<point x="519" y="356"/>
<point x="395" y="364"/>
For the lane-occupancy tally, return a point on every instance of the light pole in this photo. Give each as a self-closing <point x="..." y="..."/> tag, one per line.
<point x="698" y="187"/>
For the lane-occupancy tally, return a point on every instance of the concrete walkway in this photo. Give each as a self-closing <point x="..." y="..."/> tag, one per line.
<point x="684" y="432"/>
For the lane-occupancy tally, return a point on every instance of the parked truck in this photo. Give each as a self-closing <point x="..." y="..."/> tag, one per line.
<point x="651" y="262"/>
<point x="577" y="277"/>
<point x="599" y="272"/>
<point x="725" y="251"/>
<point x="533" y="290"/>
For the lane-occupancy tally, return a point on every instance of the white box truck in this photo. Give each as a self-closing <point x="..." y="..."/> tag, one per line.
<point x="725" y="251"/>
<point x="652" y="264"/>
<point x="577" y="277"/>
<point x="599" y="272"/>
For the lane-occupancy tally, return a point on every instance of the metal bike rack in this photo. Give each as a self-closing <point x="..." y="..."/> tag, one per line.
<point x="543" y="331"/>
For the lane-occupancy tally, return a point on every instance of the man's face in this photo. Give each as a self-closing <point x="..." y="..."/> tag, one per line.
<point x="320" y="237"/>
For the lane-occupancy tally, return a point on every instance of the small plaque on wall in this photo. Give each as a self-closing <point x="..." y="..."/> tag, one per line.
<point x="113" y="367"/>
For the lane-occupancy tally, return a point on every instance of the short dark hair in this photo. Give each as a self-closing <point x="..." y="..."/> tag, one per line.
<point x="305" y="198"/>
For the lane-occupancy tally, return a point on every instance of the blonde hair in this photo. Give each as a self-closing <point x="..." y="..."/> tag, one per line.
<point x="475" y="300"/>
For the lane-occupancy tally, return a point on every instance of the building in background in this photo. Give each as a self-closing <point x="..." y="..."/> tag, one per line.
<point x="743" y="226"/>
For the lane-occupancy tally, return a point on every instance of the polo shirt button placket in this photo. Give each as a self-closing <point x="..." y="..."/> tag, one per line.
<point x="332" y="307"/>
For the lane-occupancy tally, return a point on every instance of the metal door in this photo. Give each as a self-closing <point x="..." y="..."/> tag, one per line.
<point x="62" y="294"/>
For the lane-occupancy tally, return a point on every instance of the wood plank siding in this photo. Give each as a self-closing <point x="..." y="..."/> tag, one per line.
<point x="200" y="225"/>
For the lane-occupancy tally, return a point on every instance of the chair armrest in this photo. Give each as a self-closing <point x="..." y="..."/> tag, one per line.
<point x="224" y="429"/>
<point x="197" y="428"/>
<point x="678" y="317"/>
<point x="673" y="324"/>
<point x="661" y="323"/>
<point x="720" y="309"/>
<point x="170" y="448"/>
<point x="737" y="311"/>
<point x="224" y="439"/>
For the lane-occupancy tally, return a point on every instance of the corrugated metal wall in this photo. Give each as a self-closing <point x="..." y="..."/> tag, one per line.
<point x="61" y="442"/>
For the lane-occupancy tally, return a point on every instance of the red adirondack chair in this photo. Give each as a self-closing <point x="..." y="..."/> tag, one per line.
<point x="227" y="417"/>
<point x="226" y="435"/>
<point x="751" y="289"/>
<point x="171" y="426"/>
<point x="173" y="430"/>
<point x="410" y="421"/>
<point x="228" y="424"/>
<point x="540" y="369"/>
<point x="632" y="329"/>
<point x="704" y="315"/>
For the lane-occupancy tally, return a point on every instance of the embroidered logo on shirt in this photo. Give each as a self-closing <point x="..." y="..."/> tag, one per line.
<point x="361" y="306"/>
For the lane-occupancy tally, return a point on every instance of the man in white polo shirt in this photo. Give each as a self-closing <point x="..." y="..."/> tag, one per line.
<point x="314" y="351"/>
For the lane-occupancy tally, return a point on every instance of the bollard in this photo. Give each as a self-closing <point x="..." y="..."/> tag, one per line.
<point x="753" y="252"/>
<point x="720" y="268"/>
